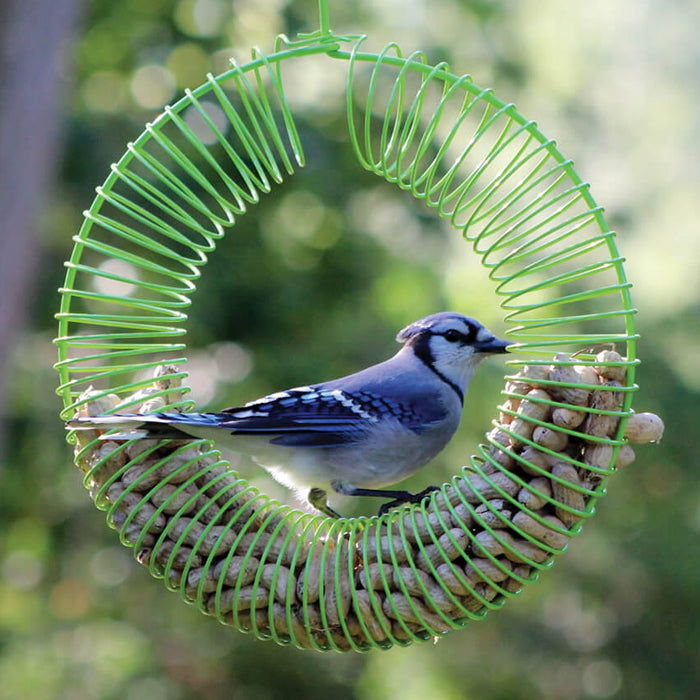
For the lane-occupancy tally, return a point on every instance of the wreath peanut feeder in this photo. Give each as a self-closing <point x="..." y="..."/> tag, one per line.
<point x="564" y="426"/>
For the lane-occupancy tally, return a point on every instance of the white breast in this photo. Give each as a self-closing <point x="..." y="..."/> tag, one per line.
<point x="390" y="454"/>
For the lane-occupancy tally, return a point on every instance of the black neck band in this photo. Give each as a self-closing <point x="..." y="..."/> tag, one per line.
<point x="421" y="347"/>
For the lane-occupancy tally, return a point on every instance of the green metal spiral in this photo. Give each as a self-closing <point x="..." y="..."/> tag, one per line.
<point x="234" y="552"/>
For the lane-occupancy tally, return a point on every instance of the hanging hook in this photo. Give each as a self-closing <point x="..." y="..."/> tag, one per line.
<point x="323" y="18"/>
<point x="324" y="35"/>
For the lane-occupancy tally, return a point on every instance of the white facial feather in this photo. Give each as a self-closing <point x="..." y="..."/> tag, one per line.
<point x="455" y="361"/>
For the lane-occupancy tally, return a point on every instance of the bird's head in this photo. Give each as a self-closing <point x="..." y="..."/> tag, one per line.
<point x="451" y="345"/>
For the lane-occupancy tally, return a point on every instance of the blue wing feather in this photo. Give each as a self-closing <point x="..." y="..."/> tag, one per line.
<point x="304" y="417"/>
<point x="311" y="416"/>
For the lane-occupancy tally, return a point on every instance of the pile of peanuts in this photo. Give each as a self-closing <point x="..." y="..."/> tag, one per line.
<point x="345" y="584"/>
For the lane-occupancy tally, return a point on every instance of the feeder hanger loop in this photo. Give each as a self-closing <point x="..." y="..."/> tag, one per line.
<point x="323" y="36"/>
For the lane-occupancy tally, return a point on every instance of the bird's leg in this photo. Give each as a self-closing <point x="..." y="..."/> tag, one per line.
<point x="398" y="497"/>
<point x="317" y="498"/>
<point x="411" y="498"/>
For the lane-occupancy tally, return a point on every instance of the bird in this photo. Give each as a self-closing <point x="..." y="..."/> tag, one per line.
<point x="354" y="435"/>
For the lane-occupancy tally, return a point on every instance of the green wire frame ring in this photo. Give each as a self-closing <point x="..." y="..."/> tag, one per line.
<point x="466" y="154"/>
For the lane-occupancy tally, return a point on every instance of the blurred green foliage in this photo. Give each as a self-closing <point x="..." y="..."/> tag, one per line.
<point x="334" y="262"/>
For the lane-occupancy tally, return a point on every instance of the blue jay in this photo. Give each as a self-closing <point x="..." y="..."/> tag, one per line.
<point x="354" y="435"/>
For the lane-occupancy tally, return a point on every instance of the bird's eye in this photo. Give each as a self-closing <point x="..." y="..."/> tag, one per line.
<point x="452" y="336"/>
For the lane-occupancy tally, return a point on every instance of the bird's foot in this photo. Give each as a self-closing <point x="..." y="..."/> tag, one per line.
<point x="407" y="497"/>
<point x="318" y="499"/>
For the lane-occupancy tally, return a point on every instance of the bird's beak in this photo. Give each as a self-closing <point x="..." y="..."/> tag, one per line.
<point x="493" y="346"/>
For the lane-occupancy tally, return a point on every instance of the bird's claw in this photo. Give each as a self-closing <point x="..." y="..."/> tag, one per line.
<point x="408" y="498"/>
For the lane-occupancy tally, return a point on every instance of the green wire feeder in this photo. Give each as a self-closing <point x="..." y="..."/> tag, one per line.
<point x="425" y="569"/>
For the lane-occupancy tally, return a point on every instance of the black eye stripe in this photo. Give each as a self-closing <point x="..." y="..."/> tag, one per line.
<point x="453" y="335"/>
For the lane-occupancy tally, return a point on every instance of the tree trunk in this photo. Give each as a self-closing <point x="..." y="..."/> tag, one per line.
<point x="34" y="71"/>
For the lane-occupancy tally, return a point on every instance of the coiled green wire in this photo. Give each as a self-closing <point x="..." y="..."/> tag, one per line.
<point x="164" y="205"/>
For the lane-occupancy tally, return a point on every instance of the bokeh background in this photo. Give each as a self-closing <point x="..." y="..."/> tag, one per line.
<point x="330" y="267"/>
